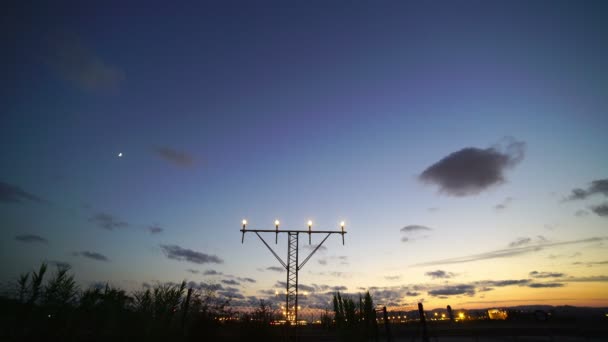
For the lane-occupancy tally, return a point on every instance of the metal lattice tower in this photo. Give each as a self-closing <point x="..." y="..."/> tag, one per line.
<point x="292" y="265"/>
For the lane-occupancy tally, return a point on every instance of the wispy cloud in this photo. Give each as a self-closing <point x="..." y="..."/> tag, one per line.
<point x="92" y="255"/>
<point x="520" y="242"/>
<point x="590" y="279"/>
<point x="596" y="187"/>
<point x="176" y="252"/>
<point x="246" y="280"/>
<point x="536" y="274"/>
<point x="504" y="204"/>
<point x="230" y="282"/>
<point x="440" y="274"/>
<point x="411" y="232"/>
<point x="31" y="238"/>
<point x="392" y="278"/>
<point x="453" y="290"/>
<point x="10" y="193"/>
<point x="78" y="64"/>
<point x="174" y="157"/>
<point x="107" y="221"/>
<point x="275" y="268"/>
<point x="154" y="229"/>
<point x="193" y="271"/>
<point x="545" y="285"/>
<point x="591" y="263"/>
<point x="472" y="170"/>
<point x="510" y="252"/>
<point x="212" y="272"/>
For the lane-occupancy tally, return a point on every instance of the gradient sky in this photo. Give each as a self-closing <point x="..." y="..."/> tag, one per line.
<point x="449" y="135"/>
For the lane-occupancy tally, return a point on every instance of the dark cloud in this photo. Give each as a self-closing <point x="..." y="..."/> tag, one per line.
<point x="212" y="272"/>
<point x="520" y="242"/>
<point x="590" y="279"/>
<point x="339" y="288"/>
<point x="472" y="170"/>
<point x="155" y="229"/>
<point x="13" y="194"/>
<point x="76" y="63"/>
<point x="510" y="252"/>
<point x="174" y="157"/>
<point x="414" y="228"/>
<point x="322" y="261"/>
<point x="405" y="239"/>
<point x="107" y="221"/>
<point x="230" y="282"/>
<point x="536" y="274"/>
<point x="439" y="274"/>
<point x="412" y="294"/>
<point x="176" y="252"/>
<point x="504" y="204"/>
<point x="601" y="209"/>
<point x="545" y="285"/>
<point x="29" y="238"/>
<point x="308" y="288"/>
<point x="596" y="187"/>
<point x="275" y="268"/>
<point x="92" y="255"/>
<point x="453" y="290"/>
<point x="193" y="271"/>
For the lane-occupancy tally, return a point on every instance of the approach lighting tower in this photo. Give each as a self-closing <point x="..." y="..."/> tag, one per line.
<point x="292" y="266"/>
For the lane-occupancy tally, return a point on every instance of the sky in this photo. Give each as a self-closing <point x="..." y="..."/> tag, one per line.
<point x="462" y="142"/>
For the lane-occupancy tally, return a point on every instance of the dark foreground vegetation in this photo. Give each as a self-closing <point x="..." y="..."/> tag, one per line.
<point x="50" y="307"/>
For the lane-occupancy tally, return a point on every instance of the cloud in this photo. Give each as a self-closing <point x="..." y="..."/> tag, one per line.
<point x="212" y="272"/>
<point x="31" y="238"/>
<point x="600" y="210"/>
<point x="591" y="263"/>
<point x="339" y="288"/>
<point x="92" y="255"/>
<point x="230" y="282"/>
<point x="193" y="271"/>
<point x="176" y="252"/>
<point x="596" y="187"/>
<point x="155" y="229"/>
<point x="107" y="221"/>
<point x="174" y="157"/>
<point x="392" y="278"/>
<point x="471" y="170"/>
<point x="246" y="280"/>
<point x="581" y="213"/>
<point x="510" y="252"/>
<point x="536" y="274"/>
<point x="545" y="285"/>
<point x="412" y="294"/>
<point x="275" y="268"/>
<point x="502" y="283"/>
<point x="590" y="279"/>
<point x="13" y="194"/>
<point x="504" y="204"/>
<point x="322" y="261"/>
<point x="453" y="290"/>
<point x="439" y="274"/>
<point x="414" y="228"/>
<point x="74" y="62"/>
<point x="520" y="242"/>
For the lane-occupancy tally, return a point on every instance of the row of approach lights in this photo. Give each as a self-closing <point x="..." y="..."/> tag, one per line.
<point x="277" y="223"/>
